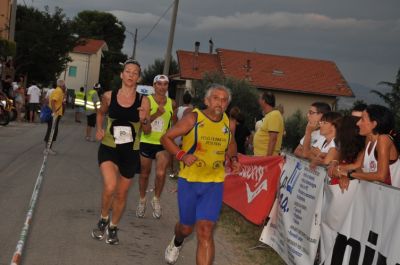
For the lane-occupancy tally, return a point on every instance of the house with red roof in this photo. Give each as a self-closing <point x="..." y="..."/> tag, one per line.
<point x="296" y="82"/>
<point x="84" y="69"/>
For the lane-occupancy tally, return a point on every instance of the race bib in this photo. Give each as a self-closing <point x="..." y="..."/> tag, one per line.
<point x="157" y="125"/>
<point x="123" y="134"/>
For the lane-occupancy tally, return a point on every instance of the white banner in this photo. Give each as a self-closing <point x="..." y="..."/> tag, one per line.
<point x="294" y="226"/>
<point x="361" y="226"/>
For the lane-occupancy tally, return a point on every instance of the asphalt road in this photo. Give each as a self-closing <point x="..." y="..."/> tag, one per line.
<point x="69" y="204"/>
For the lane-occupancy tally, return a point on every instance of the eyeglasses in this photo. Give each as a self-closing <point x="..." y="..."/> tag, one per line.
<point x="131" y="61"/>
<point x="310" y="112"/>
<point x="323" y="122"/>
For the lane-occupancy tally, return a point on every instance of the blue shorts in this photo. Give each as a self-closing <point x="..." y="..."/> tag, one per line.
<point x="199" y="201"/>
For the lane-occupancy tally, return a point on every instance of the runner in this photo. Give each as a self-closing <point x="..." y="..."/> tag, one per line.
<point x="119" y="150"/>
<point x="207" y="139"/>
<point x="161" y="114"/>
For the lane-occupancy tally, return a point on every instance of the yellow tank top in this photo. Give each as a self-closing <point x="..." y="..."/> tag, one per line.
<point x="160" y="125"/>
<point x="208" y="141"/>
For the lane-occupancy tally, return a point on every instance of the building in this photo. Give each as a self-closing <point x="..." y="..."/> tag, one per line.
<point x="84" y="69"/>
<point x="296" y="82"/>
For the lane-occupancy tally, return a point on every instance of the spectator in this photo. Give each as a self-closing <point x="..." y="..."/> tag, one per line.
<point x="34" y="94"/>
<point x="19" y="100"/>
<point x="92" y="105"/>
<point x="242" y="133"/>
<point x="312" y="134"/>
<point x="358" y="109"/>
<point x="380" y="158"/>
<point x="79" y="102"/>
<point x="268" y="139"/>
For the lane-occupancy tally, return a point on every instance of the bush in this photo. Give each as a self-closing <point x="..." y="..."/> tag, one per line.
<point x="295" y="126"/>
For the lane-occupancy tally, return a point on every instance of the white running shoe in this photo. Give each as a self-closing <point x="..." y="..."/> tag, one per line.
<point x="172" y="252"/>
<point x="141" y="209"/>
<point x="157" y="211"/>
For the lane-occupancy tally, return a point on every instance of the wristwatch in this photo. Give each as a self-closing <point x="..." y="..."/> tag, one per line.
<point x="349" y="174"/>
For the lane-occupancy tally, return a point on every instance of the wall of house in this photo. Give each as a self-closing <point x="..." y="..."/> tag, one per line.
<point x="87" y="71"/>
<point x="5" y="9"/>
<point x="291" y="102"/>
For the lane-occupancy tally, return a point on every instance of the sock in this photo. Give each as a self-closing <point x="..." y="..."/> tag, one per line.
<point x="177" y="243"/>
<point x="104" y="218"/>
<point x="143" y="199"/>
<point x="112" y="226"/>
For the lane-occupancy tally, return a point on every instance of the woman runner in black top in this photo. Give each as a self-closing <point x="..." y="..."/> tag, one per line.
<point x="118" y="153"/>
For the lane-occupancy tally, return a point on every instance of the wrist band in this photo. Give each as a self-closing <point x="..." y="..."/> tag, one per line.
<point x="234" y="158"/>
<point x="349" y="174"/>
<point x="180" y="155"/>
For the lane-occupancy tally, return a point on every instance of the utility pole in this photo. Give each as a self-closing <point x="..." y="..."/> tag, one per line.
<point x="11" y="35"/>
<point x="167" y="60"/>
<point x="134" y="44"/>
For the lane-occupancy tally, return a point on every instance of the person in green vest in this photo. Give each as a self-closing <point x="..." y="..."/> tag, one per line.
<point x="92" y="105"/>
<point x="79" y="102"/>
<point x="161" y="116"/>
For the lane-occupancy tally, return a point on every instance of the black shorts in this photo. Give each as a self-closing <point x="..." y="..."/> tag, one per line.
<point x="91" y="120"/>
<point x="127" y="159"/>
<point x="150" y="150"/>
<point x="33" y="106"/>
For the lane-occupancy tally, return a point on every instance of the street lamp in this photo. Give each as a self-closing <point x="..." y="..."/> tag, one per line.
<point x="134" y="38"/>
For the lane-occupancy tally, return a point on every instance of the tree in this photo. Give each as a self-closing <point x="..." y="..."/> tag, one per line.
<point x="295" y="126"/>
<point x="102" y="26"/>
<point x="244" y="95"/>
<point x="43" y="42"/>
<point x="392" y="98"/>
<point x="157" y="68"/>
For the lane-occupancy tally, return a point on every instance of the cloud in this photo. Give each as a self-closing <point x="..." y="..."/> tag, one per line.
<point x="137" y="19"/>
<point x="286" y="20"/>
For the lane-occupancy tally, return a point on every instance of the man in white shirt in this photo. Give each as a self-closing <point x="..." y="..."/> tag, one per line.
<point x="34" y="94"/>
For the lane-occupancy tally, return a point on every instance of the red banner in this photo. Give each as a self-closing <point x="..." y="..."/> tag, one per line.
<point x="252" y="191"/>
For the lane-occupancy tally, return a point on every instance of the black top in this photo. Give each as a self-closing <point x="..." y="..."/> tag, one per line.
<point x="117" y="112"/>
<point x="241" y="134"/>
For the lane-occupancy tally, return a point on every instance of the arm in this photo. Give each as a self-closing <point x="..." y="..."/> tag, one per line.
<point x="181" y="128"/>
<point x="307" y="148"/>
<point x="105" y="103"/>
<point x="273" y="137"/>
<point x="232" y="149"/>
<point x="144" y="115"/>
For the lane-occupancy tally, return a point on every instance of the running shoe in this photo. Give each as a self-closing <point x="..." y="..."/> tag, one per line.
<point x="172" y="252"/>
<point x="141" y="208"/>
<point x="98" y="232"/>
<point x="157" y="211"/>
<point x="111" y="235"/>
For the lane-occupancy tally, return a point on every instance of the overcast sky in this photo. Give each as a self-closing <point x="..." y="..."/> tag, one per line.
<point x="361" y="36"/>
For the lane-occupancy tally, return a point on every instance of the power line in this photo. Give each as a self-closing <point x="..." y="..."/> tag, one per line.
<point x="158" y="21"/>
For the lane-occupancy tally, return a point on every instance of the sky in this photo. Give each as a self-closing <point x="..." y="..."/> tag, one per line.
<point x="361" y="36"/>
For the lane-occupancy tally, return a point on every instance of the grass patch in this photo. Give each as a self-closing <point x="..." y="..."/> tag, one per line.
<point x="246" y="236"/>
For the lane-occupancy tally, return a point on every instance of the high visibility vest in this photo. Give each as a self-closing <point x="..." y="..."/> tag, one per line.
<point x="79" y="98"/>
<point x="90" y="105"/>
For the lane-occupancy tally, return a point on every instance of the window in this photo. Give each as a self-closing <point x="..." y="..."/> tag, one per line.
<point x="72" y="71"/>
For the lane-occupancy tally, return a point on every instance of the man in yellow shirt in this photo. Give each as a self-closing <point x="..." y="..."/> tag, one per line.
<point x="268" y="139"/>
<point x="56" y="104"/>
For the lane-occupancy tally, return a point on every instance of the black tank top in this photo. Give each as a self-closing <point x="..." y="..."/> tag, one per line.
<point x="117" y="112"/>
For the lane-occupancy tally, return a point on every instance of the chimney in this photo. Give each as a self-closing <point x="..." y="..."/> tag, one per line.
<point x="196" y="48"/>
<point x="211" y="45"/>
<point x="196" y="55"/>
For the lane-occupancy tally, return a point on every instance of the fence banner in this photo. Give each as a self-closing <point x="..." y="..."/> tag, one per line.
<point x="361" y="225"/>
<point x="252" y="191"/>
<point x="294" y="227"/>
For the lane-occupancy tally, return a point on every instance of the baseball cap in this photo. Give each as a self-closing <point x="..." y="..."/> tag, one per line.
<point x="97" y="85"/>
<point x="160" y="78"/>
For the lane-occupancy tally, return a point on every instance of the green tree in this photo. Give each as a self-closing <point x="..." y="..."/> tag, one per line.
<point x="102" y="26"/>
<point x="295" y="126"/>
<point x="43" y="42"/>
<point x="157" y="68"/>
<point x="244" y="95"/>
<point x="392" y="98"/>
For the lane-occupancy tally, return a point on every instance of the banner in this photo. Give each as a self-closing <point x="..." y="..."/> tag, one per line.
<point x="252" y="191"/>
<point x="365" y="229"/>
<point x="294" y="227"/>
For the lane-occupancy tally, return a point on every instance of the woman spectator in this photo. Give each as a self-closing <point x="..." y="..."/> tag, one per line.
<point x="242" y="133"/>
<point x="380" y="157"/>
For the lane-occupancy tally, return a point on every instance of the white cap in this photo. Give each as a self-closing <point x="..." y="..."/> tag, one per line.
<point x="160" y="78"/>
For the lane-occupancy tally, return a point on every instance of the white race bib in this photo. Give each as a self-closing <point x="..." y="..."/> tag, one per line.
<point x="157" y="125"/>
<point x="123" y="134"/>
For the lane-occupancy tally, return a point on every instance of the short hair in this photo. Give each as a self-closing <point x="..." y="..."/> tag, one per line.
<point x="81" y="89"/>
<point x="333" y="117"/>
<point x="215" y="86"/>
<point x="187" y="98"/>
<point x="382" y="116"/>
<point x="359" y="107"/>
<point x="321" y="107"/>
<point x="234" y="112"/>
<point x="60" y="82"/>
<point x="268" y="98"/>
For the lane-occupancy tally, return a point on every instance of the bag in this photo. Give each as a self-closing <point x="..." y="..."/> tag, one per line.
<point x="45" y="114"/>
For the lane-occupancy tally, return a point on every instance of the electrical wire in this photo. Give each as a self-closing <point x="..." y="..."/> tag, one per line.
<point x="158" y="21"/>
